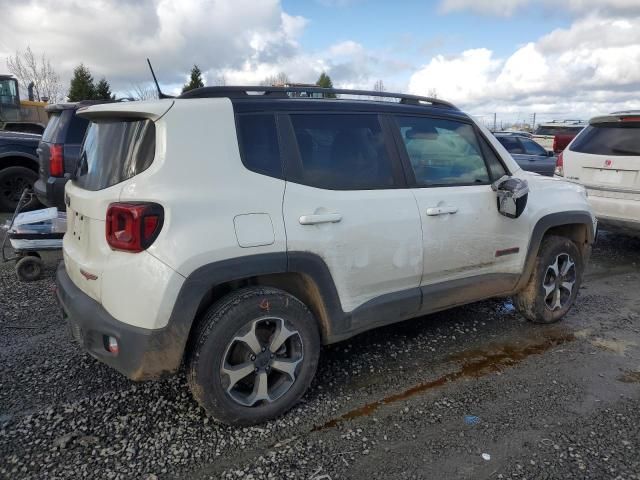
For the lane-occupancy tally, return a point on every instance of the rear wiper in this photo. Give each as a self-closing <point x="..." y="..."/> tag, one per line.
<point x="622" y="150"/>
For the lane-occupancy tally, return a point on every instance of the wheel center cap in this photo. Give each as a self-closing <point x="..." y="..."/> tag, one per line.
<point x="263" y="359"/>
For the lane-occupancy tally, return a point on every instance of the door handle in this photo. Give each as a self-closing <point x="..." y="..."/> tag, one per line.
<point x="320" y="218"/>
<point x="432" y="211"/>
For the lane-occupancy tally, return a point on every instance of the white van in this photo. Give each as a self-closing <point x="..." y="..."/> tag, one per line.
<point x="605" y="158"/>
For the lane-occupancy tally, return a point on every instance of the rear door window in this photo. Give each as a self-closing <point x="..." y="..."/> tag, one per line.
<point x="531" y="147"/>
<point x="511" y="144"/>
<point x="614" y="139"/>
<point x="114" y="151"/>
<point x="443" y="152"/>
<point x="341" y="152"/>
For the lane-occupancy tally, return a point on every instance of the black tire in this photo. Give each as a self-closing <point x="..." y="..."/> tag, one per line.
<point x="537" y="302"/>
<point x="29" y="268"/>
<point x="13" y="180"/>
<point x="252" y="312"/>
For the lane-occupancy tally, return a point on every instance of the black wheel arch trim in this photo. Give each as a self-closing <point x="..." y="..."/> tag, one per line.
<point x="543" y="225"/>
<point x="336" y="324"/>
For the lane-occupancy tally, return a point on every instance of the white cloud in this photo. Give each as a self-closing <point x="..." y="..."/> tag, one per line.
<point x="589" y="68"/>
<point x="503" y="8"/>
<point x="506" y="8"/>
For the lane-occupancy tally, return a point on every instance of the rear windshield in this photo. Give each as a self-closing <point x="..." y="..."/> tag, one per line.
<point x="559" y="130"/>
<point x="114" y="151"/>
<point x="609" y="139"/>
<point x="51" y="131"/>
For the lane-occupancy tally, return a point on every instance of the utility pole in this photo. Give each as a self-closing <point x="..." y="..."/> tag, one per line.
<point x="533" y="127"/>
<point x="494" y="122"/>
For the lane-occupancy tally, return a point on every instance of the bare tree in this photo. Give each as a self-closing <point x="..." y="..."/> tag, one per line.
<point x="140" y="91"/>
<point x="378" y="86"/>
<point x="28" y="68"/>
<point x="433" y="93"/>
<point x="278" y="80"/>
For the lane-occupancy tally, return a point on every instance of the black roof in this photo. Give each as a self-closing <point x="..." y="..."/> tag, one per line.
<point x="285" y="92"/>
<point x="248" y="99"/>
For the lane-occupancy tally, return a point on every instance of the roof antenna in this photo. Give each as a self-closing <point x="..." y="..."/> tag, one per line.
<point x="160" y="94"/>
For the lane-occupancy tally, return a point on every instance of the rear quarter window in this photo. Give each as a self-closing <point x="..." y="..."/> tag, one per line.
<point x="613" y="139"/>
<point x="258" y="140"/>
<point x="51" y="132"/>
<point x="114" y="151"/>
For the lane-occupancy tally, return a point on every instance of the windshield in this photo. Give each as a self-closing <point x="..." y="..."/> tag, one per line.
<point x="8" y="92"/>
<point x="115" y="151"/>
<point x="609" y="139"/>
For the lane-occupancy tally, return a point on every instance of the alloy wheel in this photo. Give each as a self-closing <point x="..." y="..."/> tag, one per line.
<point x="558" y="282"/>
<point x="260" y="362"/>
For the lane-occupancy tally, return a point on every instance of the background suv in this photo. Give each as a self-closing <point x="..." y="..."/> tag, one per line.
<point x="605" y="158"/>
<point x="59" y="150"/>
<point x="309" y="221"/>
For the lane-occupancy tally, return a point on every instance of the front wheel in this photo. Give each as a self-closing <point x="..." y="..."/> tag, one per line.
<point x="554" y="283"/>
<point x="254" y="356"/>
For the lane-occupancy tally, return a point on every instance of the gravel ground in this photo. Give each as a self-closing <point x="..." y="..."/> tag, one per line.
<point x="555" y="401"/>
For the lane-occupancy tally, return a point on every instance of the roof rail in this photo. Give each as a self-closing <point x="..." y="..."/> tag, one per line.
<point x="283" y="92"/>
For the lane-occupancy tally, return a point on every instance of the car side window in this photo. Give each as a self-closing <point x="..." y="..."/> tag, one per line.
<point x="442" y="152"/>
<point x="511" y="144"/>
<point x="341" y="152"/>
<point x="532" y="148"/>
<point x="258" y="140"/>
<point x="77" y="129"/>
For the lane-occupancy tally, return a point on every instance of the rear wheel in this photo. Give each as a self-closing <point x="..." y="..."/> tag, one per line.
<point x="254" y="356"/>
<point x="13" y="181"/>
<point x="29" y="268"/>
<point x="554" y="283"/>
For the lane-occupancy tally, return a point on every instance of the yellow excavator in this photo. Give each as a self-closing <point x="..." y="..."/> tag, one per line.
<point x="18" y="115"/>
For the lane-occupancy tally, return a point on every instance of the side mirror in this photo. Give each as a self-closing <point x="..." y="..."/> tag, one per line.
<point x="512" y="196"/>
<point x="550" y="153"/>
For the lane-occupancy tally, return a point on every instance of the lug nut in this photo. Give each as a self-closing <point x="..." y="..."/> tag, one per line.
<point x="253" y="357"/>
<point x="255" y="369"/>
<point x="263" y="349"/>
<point x="272" y="355"/>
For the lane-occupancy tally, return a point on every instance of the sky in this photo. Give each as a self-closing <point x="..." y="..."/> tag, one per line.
<point x="557" y="59"/>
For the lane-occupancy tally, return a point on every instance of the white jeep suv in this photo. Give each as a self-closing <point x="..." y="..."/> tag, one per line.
<point x="605" y="158"/>
<point x="237" y="229"/>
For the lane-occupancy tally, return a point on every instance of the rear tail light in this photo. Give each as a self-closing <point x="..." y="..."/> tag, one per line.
<point x="560" y="165"/>
<point x="56" y="160"/>
<point x="630" y="119"/>
<point x="133" y="227"/>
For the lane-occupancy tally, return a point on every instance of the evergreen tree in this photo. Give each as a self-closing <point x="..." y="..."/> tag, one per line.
<point x="103" y="91"/>
<point x="325" y="82"/>
<point x="195" y="81"/>
<point x="81" y="87"/>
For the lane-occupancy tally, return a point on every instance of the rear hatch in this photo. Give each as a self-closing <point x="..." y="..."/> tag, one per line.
<point x="606" y="155"/>
<point x="120" y="143"/>
<point x="52" y="134"/>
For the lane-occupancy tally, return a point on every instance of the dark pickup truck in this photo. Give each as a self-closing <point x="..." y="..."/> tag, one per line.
<point x="18" y="167"/>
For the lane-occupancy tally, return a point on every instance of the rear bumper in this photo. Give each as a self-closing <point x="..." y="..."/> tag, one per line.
<point x="51" y="192"/>
<point x="143" y="354"/>
<point x="617" y="214"/>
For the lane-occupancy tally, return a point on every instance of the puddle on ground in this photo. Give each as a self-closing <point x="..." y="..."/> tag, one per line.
<point x="629" y="376"/>
<point x="473" y="364"/>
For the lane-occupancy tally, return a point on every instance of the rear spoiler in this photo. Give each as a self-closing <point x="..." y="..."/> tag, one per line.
<point x="152" y="109"/>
